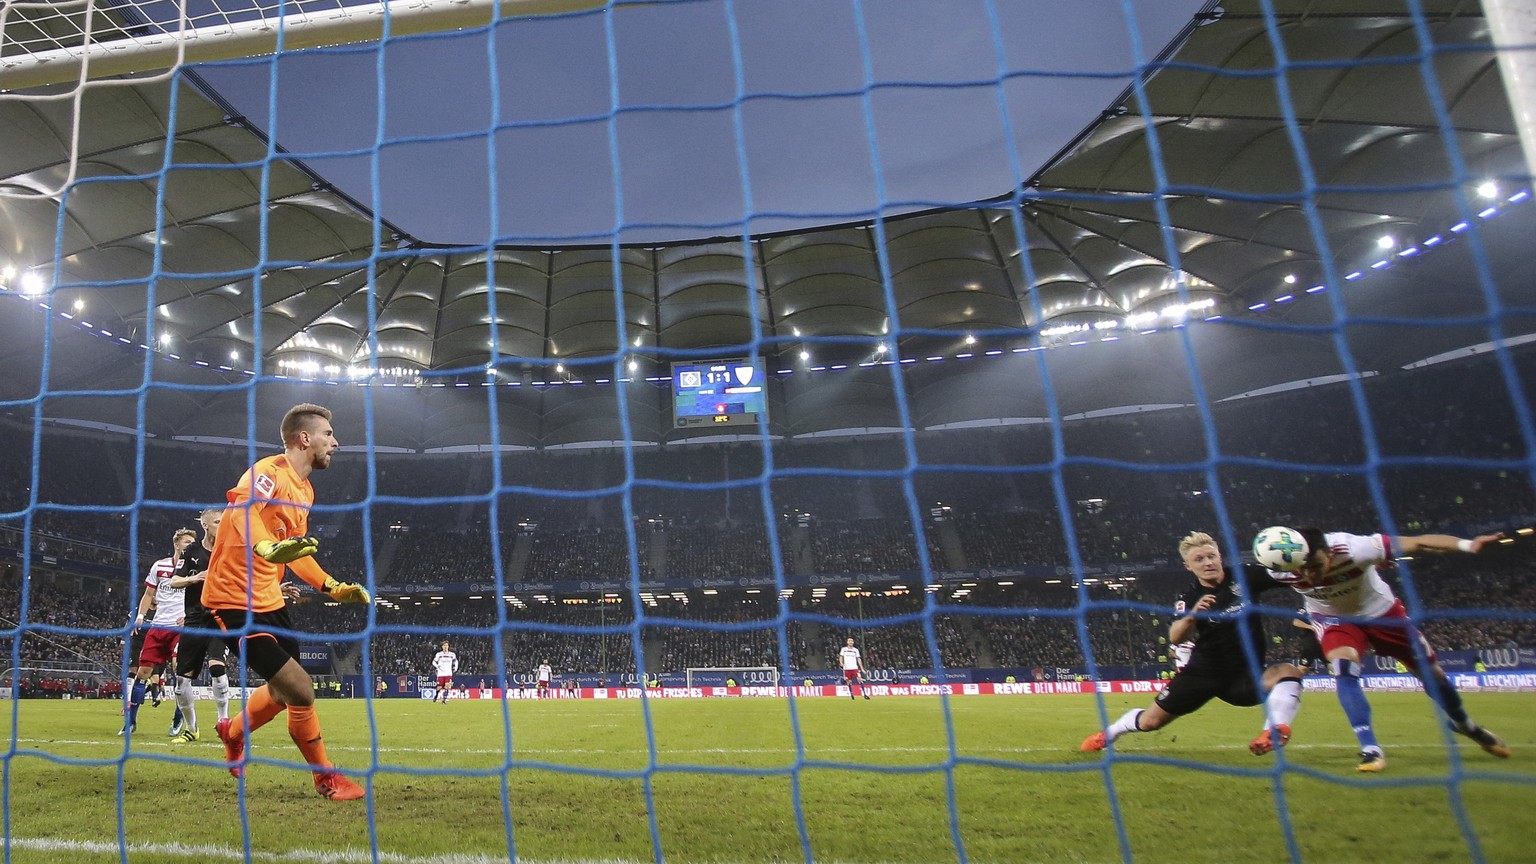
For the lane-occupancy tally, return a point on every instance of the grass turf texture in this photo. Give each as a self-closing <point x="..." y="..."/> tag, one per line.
<point x="1029" y="795"/>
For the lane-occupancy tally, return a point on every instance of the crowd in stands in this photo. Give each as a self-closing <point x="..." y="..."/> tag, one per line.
<point x="1017" y="625"/>
<point x="1096" y="505"/>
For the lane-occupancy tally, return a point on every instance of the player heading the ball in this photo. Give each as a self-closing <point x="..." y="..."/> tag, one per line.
<point x="1353" y="611"/>
<point x="264" y="529"/>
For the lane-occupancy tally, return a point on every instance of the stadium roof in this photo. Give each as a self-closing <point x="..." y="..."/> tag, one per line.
<point x="1075" y="261"/>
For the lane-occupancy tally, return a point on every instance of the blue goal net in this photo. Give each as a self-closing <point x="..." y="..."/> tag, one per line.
<point x="767" y="430"/>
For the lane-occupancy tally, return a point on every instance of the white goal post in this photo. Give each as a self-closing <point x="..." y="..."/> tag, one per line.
<point x="746" y="676"/>
<point x="100" y="49"/>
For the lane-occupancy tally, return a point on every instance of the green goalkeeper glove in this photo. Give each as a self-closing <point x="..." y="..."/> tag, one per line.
<point x="284" y="551"/>
<point x="346" y="592"/>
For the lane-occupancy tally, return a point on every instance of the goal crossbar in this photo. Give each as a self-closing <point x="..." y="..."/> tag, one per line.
<point x="299" y="29"/>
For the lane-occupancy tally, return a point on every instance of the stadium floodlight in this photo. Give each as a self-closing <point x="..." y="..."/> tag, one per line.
<point x="1488" y="189"/>
<point x="1386" y="241"/>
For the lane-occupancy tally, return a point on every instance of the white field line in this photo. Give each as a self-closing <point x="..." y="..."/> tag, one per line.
<point x="211" y="852"/>
<point x="202" y="752"/>
<point x="207" y="851"/>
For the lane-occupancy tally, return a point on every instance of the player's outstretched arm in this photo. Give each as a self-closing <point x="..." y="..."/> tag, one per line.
<point x="1440" y="543"/>
<point x="184" y="581"/>
<point x="286" y="551"/>
<point x="310" y="571"/>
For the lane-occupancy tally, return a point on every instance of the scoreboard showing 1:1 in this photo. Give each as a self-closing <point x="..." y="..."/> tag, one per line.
<point x="719" y="393"/>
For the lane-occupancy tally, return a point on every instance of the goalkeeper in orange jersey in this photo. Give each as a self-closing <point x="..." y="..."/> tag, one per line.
<point x="263" y="529"/>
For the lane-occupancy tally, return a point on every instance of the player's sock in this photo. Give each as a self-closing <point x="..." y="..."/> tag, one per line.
<point x="134" y="701"/>
<point x="1357" y="710"/>
<point x="1129" y="722"/>
<point x="221" y="692"/>
<point x="184" y="706"/>
<point x="1283" y="702"/>
<point x="259" y="710"/>
<point x="304" y="727"/>
<point x="1444" y="693"/>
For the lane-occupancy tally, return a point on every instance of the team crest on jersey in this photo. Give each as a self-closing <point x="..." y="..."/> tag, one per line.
<point x="265" y="485"/>
<point x="1237" y="589"/>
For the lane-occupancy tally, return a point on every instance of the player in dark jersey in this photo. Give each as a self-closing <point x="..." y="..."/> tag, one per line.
<point x="195" y="647"/>
<point x="1218" y="667"/>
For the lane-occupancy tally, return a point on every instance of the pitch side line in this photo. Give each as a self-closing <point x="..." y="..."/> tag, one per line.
<point x="964" y="751"/>
<point x="208" y="851"/>
<point x="319" y="856"/>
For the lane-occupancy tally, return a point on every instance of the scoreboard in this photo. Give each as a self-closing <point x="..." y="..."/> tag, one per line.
<point x="719" y="393"/>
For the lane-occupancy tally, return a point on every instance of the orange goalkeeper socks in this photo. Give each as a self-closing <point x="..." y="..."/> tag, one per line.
<point x="260" y="709"/>
<point x="304" y="727"/>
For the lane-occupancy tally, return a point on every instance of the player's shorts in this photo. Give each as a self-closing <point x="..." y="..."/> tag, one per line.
<point x="542" y="685"/>
<point x="265" y="652"/>
<point x="158" y="645"/>
<point x="1195" y="686"/>
<point x="445" y="682"/>
<point x="1391" y="635"/>
<point x="136" y="645"/>
<point x="197" y="648"/>
<point x="850" y="674"/>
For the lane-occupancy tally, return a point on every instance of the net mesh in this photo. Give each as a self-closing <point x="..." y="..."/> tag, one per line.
<point x="1269" y="195"/>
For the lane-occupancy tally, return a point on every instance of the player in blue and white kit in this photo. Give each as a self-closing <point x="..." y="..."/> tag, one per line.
<point x="853" y="669"/>
<point x="1353" y="611"/>
<point x="164" y="627"/>
<point x="445" y="663"/>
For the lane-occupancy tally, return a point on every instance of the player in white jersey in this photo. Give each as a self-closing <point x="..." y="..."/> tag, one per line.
<point x="1353" y="610"/>
<point x="541" y="679"/>
<point x="163" y="627"/>
<point x="444" y="663"/>
<point x="853" y="669"/>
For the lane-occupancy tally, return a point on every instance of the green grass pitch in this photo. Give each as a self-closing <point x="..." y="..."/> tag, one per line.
<point x="1022" y="791"/>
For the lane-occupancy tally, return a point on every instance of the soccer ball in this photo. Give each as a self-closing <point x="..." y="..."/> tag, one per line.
<point x="1280" y="548"/>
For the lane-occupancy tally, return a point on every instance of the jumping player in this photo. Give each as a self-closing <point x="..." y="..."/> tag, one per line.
<point x="1218" y="664"/>
<point x="446" y="663"/>
<point x="1353" y="611"/>
<point x="853" y="669"/>
<point x="264" y="528"/>
<point x="161" y="638"/>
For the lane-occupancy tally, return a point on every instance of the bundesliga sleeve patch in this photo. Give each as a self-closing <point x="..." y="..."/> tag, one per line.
<point x="265" y="485"/>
